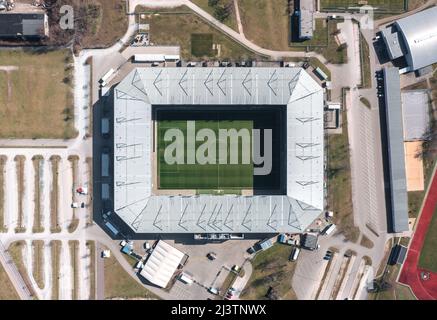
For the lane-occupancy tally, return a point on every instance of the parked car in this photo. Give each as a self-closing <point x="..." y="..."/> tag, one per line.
<point x="211" y="256"/>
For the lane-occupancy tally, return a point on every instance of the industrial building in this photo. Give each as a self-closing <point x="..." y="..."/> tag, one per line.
<point x="23" y="25"/>
<point x="136" y="200"/>
<point x="306" y="19"/>
<point x="396" y="155"/>
<point x="413" y="38"/>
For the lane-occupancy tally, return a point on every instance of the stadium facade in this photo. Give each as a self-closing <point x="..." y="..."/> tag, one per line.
<point x="145" y="212"/>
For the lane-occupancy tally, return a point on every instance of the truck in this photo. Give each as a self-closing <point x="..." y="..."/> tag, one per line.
<point x="328" y="229"/>
<point x="186" y="278"/>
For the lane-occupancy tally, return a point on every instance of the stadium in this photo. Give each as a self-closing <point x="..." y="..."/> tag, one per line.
<point x="157" y="110"/>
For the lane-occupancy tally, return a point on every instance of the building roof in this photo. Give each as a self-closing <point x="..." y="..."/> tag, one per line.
<point x="419" y="32"/>
<point x="415" y="111"/>
<point x="162" y="264"/>
<point x="23" y="24"/>
<point x="310" y="241"/>
<point x="144" y="212"/>
<point x="306" y="19"/>
<point x="396" y="155"/>
<point x="392" y="40"/>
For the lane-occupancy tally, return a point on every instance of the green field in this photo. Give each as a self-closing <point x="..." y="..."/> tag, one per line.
<point x="203" y="176"/>
<point x="428" y="255"/>
<point x="201" y="44"/>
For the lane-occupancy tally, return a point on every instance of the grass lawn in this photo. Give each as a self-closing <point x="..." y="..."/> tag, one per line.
<point x="201" y="44"/>
<point x="266" y="22"/>
<point x="396" y="291"/>
<point x="38" y="262"/>
<point x="119" y="284"/>
<point x="380" y="5"/>
<point x="207" y="176"/>
<point x="110" y="26"/>
<point x="366" y="74"/>
<point x="7" y="290"/>
<point x="428" y="255"/>
<point x="38" y="93"/>
<point x="339" y="183"/>
<point x="175" y="27"/>
<point x="271" y="268"/>
<point x="331" y="51"/>
<point x="231" y="21"/>
<point x="16" y="251"/>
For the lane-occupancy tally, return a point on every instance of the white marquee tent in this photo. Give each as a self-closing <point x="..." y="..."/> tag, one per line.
<point x="162" y="264"/>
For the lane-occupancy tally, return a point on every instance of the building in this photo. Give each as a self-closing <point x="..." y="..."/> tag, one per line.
<point x="310" y="241"/>
<point x="396" y="154"/>
<point x="414" y="38"/>
<point x="305" y="16"/>
<point x="146" y="208"/>
<point x="23" y="25"/>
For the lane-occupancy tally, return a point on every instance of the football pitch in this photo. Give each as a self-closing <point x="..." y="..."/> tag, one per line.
<point x="225" y="178"/>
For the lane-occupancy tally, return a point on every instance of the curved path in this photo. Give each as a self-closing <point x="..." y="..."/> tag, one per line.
<point x="410" y="274"/>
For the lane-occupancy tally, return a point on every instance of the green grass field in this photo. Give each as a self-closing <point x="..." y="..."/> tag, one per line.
<point x="201" y="44"/>
<point x="428" y="255"/>
<point x="208" y="176"/>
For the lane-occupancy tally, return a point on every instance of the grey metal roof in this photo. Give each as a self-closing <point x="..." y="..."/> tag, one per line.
<point x="145" y="212"/>
<point x="419" y="32"/>
<point x="398" y="183"/>
<point x="392" y="40"/>
<point x="415" y="110"/>
<point x="26" y="24"/>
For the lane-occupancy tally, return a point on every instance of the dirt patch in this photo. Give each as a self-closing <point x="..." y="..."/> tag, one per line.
<point x="55" y="247"/>
<point x="16" y="252"/>
<point x="3" y="160"/>
<point x="91" y="246"/>
<point x="38" y="262"/>
<point x="74" y="255"/>
<point x="37" y="167"/>
<point x="19" y="165"/>
<point x="74" y="160"/>
<point x="54" y="195"/>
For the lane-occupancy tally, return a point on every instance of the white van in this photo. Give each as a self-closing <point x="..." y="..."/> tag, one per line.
<point x="185" y="278"/>
<point x="294" y="254"/>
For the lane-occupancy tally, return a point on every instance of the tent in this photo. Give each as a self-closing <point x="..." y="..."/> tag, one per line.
<point x="162" y="264"/>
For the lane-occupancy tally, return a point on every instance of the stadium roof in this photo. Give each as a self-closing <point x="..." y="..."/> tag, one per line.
<point x="144" y="212"/>
<point x="398" y="182"/>
<point x="419" y="32"/>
